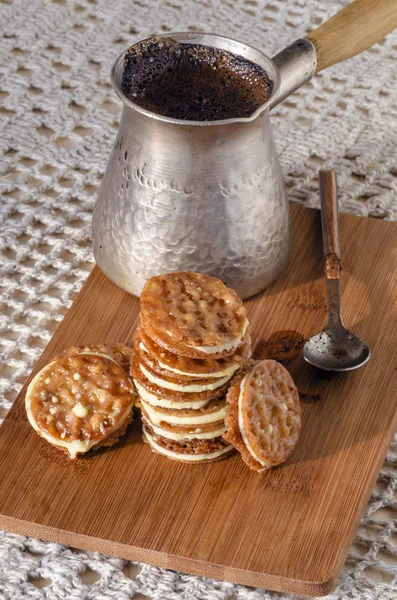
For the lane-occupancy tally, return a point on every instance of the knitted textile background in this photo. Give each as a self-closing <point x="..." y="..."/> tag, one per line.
<point x="59" y="117"/>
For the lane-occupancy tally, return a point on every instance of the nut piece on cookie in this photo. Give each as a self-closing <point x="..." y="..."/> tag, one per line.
<point x="263" y="419"/>
<point x="80" y="401"/>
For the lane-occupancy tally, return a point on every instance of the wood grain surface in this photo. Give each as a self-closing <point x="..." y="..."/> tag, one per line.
<point x="288" y="529"/>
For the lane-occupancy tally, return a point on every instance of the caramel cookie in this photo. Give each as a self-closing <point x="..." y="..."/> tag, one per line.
<point x="263" y="419"/>
<point x="78" y="402"/>
<point x="118" y="352"/>
<point x="161" y="396"/>
<point x="197" y="451"/>
<point x="193" y="315"/>
<point x="183" y="368"/>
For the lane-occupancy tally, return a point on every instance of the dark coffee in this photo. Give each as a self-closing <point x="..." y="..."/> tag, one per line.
<point x="193" y="82"/>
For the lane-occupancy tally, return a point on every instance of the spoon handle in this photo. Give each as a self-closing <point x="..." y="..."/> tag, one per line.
<point x="329" y="221"/>
<point x="330" y="227"/>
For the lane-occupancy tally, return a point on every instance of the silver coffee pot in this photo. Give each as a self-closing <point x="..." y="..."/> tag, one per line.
<point x="208" y="196"/>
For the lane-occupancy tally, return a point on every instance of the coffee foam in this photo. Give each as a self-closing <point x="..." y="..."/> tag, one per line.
<point x="194" y="82"/>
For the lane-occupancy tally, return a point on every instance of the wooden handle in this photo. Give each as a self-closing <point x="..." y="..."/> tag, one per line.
<point x="329" y="221"/>
<point x="352" y="30"/>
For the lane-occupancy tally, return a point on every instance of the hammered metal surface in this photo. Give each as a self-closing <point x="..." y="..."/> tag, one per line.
<point x="206" y="199"/>
<point x="198" y="196"/>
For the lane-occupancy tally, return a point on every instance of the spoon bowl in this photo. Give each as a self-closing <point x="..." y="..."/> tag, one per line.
<point x="332" y="350"/>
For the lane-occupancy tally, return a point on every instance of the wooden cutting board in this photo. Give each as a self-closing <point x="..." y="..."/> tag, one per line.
<point x="288" y="529"/>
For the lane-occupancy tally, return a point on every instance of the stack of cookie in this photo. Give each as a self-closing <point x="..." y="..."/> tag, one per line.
<point x="192" y="339"/>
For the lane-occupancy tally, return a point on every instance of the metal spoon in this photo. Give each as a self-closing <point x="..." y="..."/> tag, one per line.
<point x="335" y="348"/>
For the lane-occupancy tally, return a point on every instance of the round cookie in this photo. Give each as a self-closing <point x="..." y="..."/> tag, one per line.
<point x="213" y="413"/>
<point x="183" y="368"/>
<point x="79" y="402"/>
<point x="192" y="315"/>
<point x="161" y="395"/>
<point x="118" y="352"/>
<point x="150" y="362"/>
<point x="191" y="386"/>
<point x="232" y="433"/>
<point x="197" y="451"/>
<point x="263" y="420"/>
<point x="180" y="432"/>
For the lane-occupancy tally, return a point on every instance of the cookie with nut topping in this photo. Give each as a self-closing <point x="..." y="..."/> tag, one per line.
<point x="118" y="352"/>
<point x="263" y="420"/>
<point x="193" y="315"/>
<point x="182" y="368"/>
<point x="80" y="401"/>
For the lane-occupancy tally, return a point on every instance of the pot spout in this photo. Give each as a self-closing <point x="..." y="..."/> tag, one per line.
<point x="296" y="65"/>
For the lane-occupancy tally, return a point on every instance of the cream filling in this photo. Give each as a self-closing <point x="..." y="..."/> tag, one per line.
<point x="232" y="345"/>
<point x="171" y="435"/>
<point x="241" y="423"/>
<point x="156" y="417"/>
<point x="155" y="401"/>
<point x="229" y="371"/>
<point x="175" y="387"/>
<point x="76" y="446"/>
<point x="185" y="457"/>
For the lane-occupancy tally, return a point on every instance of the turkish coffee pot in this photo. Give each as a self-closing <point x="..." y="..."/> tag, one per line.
<point x="208" y="196"/>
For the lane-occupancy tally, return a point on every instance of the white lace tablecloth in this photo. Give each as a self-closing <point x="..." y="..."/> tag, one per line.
<point x="59" y="117"/>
